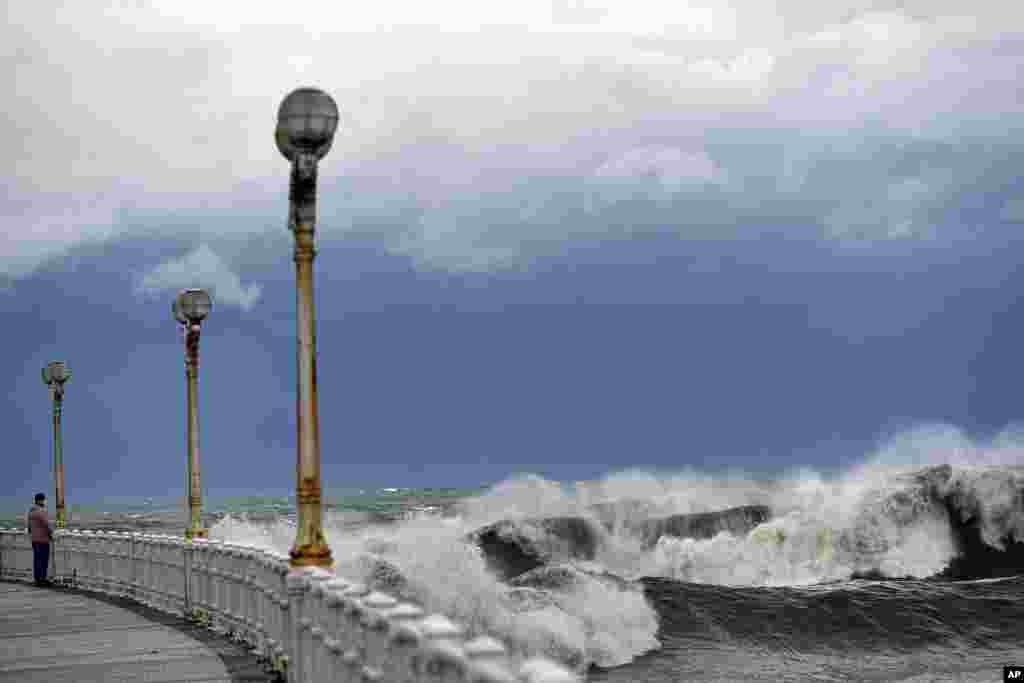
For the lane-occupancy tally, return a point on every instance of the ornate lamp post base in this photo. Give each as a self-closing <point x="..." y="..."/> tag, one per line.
<point x="316" y="554"/>
<point x="198" y="532"/>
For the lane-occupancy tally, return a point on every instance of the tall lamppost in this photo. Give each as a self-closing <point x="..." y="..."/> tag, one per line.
<point x="306" y="122"/>
<point x="190" y="307"/>
<point x="55" y="374"/>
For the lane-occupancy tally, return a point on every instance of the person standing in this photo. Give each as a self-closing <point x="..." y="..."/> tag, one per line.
<point x="42" y="533"/>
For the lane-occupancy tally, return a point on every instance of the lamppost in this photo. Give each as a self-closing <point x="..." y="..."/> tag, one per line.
<point x="190" y="307"/>
<point x="55" y="374"/>
<point x="306" y="122"/>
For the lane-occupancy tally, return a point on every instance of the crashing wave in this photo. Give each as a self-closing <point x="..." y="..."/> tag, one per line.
<point x="553" y="571"/>
<point x="514" y="547"/>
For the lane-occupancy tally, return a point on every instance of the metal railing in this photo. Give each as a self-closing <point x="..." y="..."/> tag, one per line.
<point x="307" y="624"/>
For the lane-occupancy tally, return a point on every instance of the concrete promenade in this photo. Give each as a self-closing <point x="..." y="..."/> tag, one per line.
<point x="70" y="635"/>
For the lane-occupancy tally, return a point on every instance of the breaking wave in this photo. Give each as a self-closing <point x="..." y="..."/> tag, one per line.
<point x="562" y="570"/>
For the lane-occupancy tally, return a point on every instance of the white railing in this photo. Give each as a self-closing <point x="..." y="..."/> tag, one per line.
<point x="307" y="624"/>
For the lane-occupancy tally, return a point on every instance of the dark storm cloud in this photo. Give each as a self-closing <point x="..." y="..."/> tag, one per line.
<point x="587" y="234"/>
<point x="169" y="106"/>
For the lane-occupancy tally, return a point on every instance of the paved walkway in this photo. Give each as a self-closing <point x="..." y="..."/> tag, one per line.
<point x="69" y="635"/>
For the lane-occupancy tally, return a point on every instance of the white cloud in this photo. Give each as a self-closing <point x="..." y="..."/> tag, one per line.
<point x="655" y="173"/>
<point x="200" y="268"/>
<point x="42" y="226"/>
<point x="670" y="166"/>
<point x="893" y="212"/>
<point x="436" y="96"/>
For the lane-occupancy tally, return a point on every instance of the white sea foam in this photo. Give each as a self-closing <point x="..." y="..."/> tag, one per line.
<point x="589" y="622"/>
<point x="875" y="516"/>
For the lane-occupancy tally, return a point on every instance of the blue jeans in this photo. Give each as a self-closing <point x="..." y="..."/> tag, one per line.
<point x="40" y="560"/>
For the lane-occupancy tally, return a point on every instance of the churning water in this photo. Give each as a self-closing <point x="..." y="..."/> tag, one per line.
<point x="906" y="567"/>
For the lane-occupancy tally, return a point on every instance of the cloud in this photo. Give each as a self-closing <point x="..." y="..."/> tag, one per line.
<point x="200" y="268"/>
<point x="1013" y="210"/>
<point x="457" y="99"/>
<point x="41" y="226"/>
<point x="671" y="167"/>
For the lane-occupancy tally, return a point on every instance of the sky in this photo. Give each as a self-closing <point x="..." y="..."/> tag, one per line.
<point x="560" y="237"/>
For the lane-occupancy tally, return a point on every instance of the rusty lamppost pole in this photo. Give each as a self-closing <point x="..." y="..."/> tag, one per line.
<point x="55" y="374"/>
<point x="306" y="122"/>
<point x="190" y="307"/>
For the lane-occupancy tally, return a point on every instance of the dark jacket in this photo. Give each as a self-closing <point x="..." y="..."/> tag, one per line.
<point x="39" y="525"/>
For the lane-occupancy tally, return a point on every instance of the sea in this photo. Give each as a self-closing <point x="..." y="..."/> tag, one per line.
<point x="881" y="573"/>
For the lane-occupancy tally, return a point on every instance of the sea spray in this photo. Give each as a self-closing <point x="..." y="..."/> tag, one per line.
<point x="429" y="559"/>
<point x="579" y="598"/>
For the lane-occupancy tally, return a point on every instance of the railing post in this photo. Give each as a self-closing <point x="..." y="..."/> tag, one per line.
<point x="110" y="572"/>
<point x="316" y="599"/>
<point x="152" y="548"/>
<point x="440" y="658"/>
<point x="103" y="575"/>
<point x="179" y="574"/>
<point x="133" y="570"/>
<point x="113" y="560"/>
<point x="200" y="598"/>
<point x="142" y="560"/>
<point x="246" y="584"/>
<point x="82" y="563"/>
<point x="27" y="563"/>
<point x="241" y="594"/>
<point x="267" y="606"/>
<point x="74" y="557"/>
<point x="228" y="583"/>
<point x="124" y="565"/>
<point x="65" y="544"/>
<point x="332" y="644"/>
<point x="5" y="536"/>
<point x="81" y="557"/>
<point x="54" y="566"/>
<point x="393" y="654"/>
<point x="217" y="619"/>
<point x="159" y="548"/>
<point x="488" y="661"/>
<point x="263" y="605"/>
<point x="257" y="567"/>
<point x="258" y="613"/>
<point x="209" y="593"/>
<point x="282" y="652"/>
<point x="86" y="561"/>
<point x="234" y="593"/>
<point x="110" y="564"/>
<point x="297" y="586"/>
<point x="57" y="564"/>
<point x="350" y="635"/>
<point x="139" y="549"/>
<point x="186" y="561"/>
<point x="162" y="573"/>
<point x="222" y="586"/>
<point x="373" y="626"/>
<point x="92" y="560"/>
<point x="170" y="557"/>
<point x="179" y="582"/>
<point x="11" y="566"/>
<point x="153" y="571"/>
<point x="150" y="570"/>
